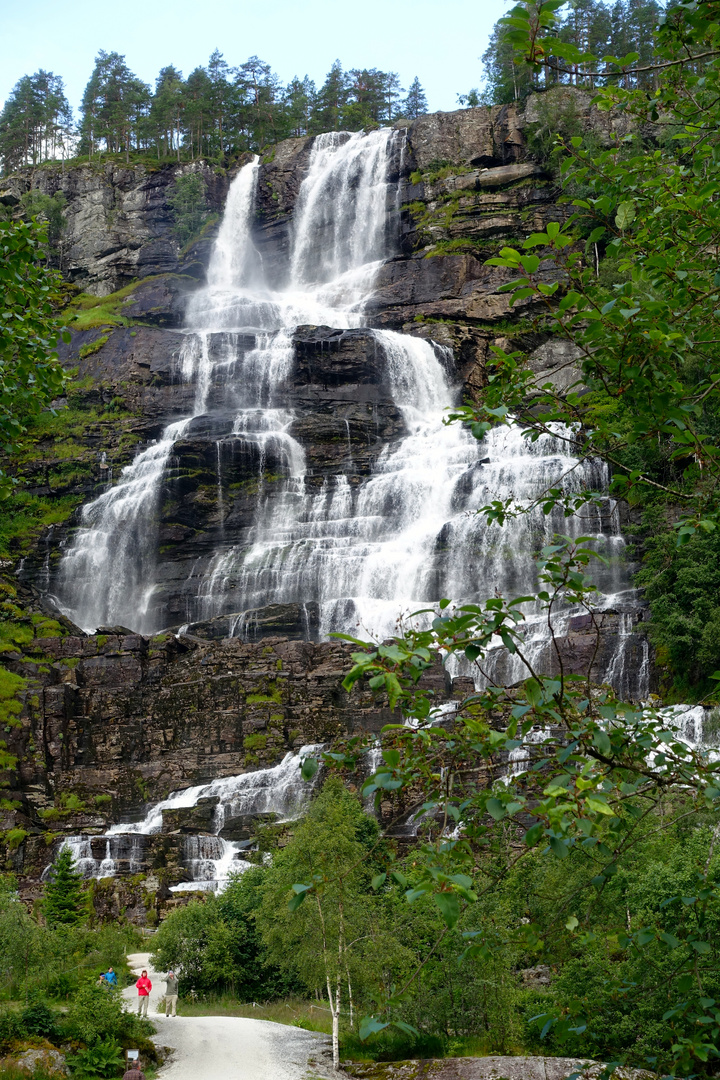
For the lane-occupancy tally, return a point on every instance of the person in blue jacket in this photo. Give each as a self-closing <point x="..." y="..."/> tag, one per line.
<point x="111" y="977"/>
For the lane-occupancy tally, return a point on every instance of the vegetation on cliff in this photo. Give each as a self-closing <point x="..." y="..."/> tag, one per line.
<point x="30" y="374"/>
<point x="219" y="111"/>
<point x="600" y="778"/>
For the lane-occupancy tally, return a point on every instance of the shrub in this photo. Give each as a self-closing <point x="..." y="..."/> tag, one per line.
<point x="103" y="1058"/>
<point x="39" y="1019"/>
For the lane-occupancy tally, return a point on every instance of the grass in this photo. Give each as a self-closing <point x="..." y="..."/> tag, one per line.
<point x="88" y="312"/>
<point x="315" y="1016"/>
<point x="295" y="1012"/>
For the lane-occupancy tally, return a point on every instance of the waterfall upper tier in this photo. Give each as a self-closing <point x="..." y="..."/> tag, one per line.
<point x="316" y="458"/>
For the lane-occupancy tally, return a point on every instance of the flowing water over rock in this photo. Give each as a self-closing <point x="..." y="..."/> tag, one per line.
<point x="237" y="804"/>
<point x="356" y="547"/>
<point x="366" y="549"/>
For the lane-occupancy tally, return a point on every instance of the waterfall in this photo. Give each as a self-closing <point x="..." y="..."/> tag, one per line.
<point x="367" y="549"/>
<point x="278" y="793"/>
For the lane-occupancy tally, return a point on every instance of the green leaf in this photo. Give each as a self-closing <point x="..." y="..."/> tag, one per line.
<point x="625" y="214"/>
<point x="534" y="834"/>
<point x="602" y="742"/>
<point x="495" y="808"/>
<point x="598" y="806"/>
<point x="572" y="923"/>
<point x="449" y="906"/>
<point x="370" y="1025"/>
<point x="308" y="768"/>
<point x="379" y="880"/>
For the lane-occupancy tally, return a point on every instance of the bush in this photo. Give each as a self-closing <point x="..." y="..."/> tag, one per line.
<point x="105" y="1058"/>
<point x="39" y="1019"/>
<point x="189" y="206"/>
<point x="11" y="1028"/>
<point x="96" y="1014"/>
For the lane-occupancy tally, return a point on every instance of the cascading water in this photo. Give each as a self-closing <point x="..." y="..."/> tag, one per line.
<point x="210" y="858"/>
<point x="366" y="552"/>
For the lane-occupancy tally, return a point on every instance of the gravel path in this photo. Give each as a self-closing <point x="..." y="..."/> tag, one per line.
<point x="230" y="1047"/>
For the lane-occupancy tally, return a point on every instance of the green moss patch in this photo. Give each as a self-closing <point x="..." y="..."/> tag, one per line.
<point x="11" y="686"/>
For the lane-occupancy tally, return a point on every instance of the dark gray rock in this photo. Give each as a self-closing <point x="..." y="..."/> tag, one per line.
<point x="296" y="622"/>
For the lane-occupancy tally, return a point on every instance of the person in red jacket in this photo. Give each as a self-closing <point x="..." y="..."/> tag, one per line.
<point x="144" y="986"/>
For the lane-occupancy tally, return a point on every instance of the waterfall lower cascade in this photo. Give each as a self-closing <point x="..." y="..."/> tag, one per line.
<point x="236" y="804"/>
<point x="366" y="549"/>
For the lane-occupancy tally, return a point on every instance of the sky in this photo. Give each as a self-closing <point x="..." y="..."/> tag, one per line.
<point x="440" y="41"/>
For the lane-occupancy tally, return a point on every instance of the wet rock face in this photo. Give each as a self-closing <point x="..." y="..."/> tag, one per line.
<point x="119" y="221"/>
<point x="135" y="718"/>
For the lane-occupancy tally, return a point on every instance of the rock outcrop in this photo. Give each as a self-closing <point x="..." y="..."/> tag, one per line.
<point x="119" y="223"/>
<point x="119" y="720"/>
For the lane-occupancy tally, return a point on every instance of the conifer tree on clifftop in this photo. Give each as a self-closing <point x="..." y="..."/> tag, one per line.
<point x="415" y="104"/>
<point x="114" y="107"/>
<point x="36" y="122"/>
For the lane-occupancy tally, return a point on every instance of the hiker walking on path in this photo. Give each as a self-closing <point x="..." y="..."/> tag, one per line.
<point x="144" y="986"/>
<point x="171" y="994"/>
<point x="111" y="977"/>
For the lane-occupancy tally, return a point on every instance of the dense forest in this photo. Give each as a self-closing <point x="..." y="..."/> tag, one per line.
<point x="217" y="111"/>
<point x="617" y="28"/>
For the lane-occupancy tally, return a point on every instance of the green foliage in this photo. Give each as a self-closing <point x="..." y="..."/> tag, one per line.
<point x="590" y="27"/>
<point x="11" y="687"/>
<point x="36" y="122"/>
<point x="48" y="209"/>
<point x="216" y="945"/>
<point x="683" y="589"/>
<point x="255" y="742"/>
<point x="64" y="900"/>
<point x="39" y="1019"/>
<point x="104" y="1058"/>
<point x="30" y="374"/>
<point x="97" y="1015"/>
<point x="217" y="112"/>
<point x="189" y="206"/>
<point x="595" y="787"/>
<point x="93" y="346"/>
<point x="14" y="838"/>
<point x="52" y="959"/>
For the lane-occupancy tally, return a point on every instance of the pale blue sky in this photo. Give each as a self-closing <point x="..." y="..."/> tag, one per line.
<point x="440" y="41"/>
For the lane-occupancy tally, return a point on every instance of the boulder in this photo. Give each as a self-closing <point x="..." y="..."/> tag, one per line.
<point x="192" y="820"/>
<point x="41" y="1059"/>
<point x="296" y="622"/>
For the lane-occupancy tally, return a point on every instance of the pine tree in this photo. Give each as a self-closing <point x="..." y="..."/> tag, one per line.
<point x="505" y="81"/>
<point x="197" y="110"/>
<point x="64" y="901"/>
<point x="166" y="111"/>
<point x="36" y="121"/>
<point x="114" y="106"/>
<point x="415" y="104"/>
<point x="299" y="102"/>
<point x="332" y="100"/>
<point x="219" y="93"/>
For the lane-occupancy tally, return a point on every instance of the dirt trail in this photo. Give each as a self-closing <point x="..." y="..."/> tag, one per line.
<point x="229" y="1047"/>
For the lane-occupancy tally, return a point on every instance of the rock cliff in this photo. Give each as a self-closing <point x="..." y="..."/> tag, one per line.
<point x="117" y="720"/>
